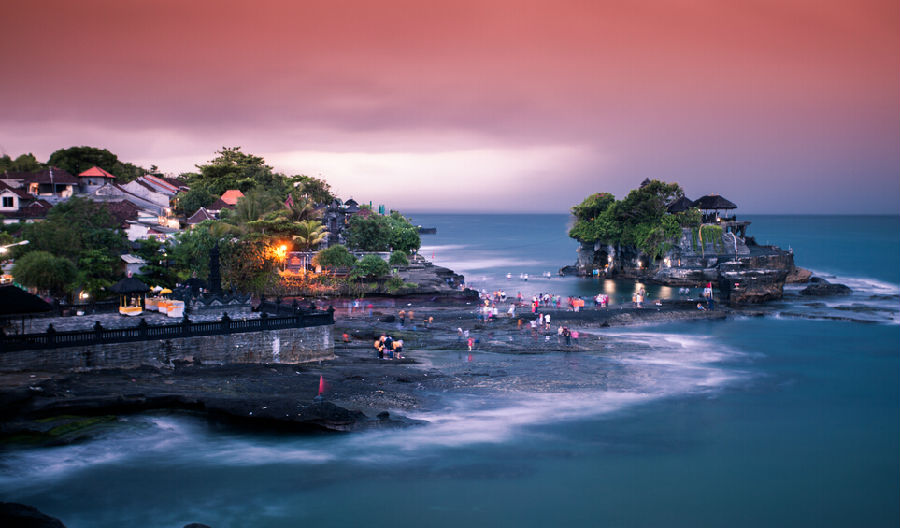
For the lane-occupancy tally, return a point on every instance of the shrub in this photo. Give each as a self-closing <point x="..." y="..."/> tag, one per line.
<point x="370" y="266"/>
<point x="399" y="258"/>
<point x="336" y="256"/>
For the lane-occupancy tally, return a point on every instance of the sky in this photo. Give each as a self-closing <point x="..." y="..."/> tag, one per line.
<point x="781" y="106"/>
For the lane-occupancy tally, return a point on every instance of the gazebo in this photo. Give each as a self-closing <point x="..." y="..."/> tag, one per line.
<point x="132" y="292"/>
<point x="682" y="204"/>
<point x="15" y="302"/>
<point x="711" y="204"/>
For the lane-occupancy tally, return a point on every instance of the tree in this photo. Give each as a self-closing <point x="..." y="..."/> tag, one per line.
<point x="369" y="234"/>
<point x="639" y="220"/>
<point x="75" y="226"/>
<point x="398" y="258"/>
<point x="251" y="265"/>
<point x="44" y="271"/>
<point x="24" y="163"/>
<point x="76" y="160"/>
<point x="404" y="235"/>
<point x="191" y="251"/>
<point x="313" y="189"/>
<point x="370" y="266"/>
<point x="310" y="233"/>
<point x="97" y="270"/>
<point x="189" y="202"/>
<point x="233" y="169"/>
<point x="252" y="206"/>
<point x="156" y="255"/>
<point x="337" y="256"/>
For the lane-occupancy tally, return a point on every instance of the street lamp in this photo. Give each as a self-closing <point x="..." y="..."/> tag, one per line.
<point x="4" y="249"/>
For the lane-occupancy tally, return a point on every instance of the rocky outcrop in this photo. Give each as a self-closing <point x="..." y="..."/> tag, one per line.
<point x="822" y="288"/>
<point x="755" y="279"/>
<point x="14" y="515"/>
<point x="798" y="276"/>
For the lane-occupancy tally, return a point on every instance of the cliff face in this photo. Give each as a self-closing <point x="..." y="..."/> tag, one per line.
<point x="744" y="274"/>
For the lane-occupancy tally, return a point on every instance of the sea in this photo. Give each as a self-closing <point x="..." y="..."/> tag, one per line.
<point x="787" y="419"/>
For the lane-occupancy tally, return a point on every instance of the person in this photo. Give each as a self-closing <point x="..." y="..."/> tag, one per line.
<point x="379" y="346"/>
<point x="471" y="343"/>
<point x="398" y="348"/>
<point x="559" y="334"/>
<point x="402" y="314"/>
<point x="547" y="321"/>
<point x="568" y="335"/>
<point x="634" y="300"/>
<point x="700" y="307"/>
<point x="389" y="346"/>
<point x="459" y="335"/>
<point x="511" y="311"/>
<point x="345" y="337"/>
<point x="575" y="335"/>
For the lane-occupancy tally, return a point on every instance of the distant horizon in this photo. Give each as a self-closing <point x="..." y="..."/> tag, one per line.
<point x="471" y="105"/>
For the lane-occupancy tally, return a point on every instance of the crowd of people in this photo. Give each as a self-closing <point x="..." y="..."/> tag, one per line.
<point x="388" y="348"/>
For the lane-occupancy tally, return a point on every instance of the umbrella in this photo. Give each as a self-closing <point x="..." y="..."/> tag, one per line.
<point x="195" y="283"/>
<point x="14" y="301"/>
<point x="165" y="291"/>
<point x="129" y="285"/>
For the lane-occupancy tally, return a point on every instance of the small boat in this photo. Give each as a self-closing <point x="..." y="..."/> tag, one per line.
<point x="509" y="276"/>
<point x="525" y="276"/>
<point x="547" y="274"/>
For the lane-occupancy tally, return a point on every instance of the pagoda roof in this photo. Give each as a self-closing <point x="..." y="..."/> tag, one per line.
<point x="713" y="201"/>
<point x="682" y="204"/>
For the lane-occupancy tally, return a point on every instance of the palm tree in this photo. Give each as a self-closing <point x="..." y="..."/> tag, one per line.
<point x="310" y="233"/>
<point x="252" y="206"/>
<point x="300" y="208"/>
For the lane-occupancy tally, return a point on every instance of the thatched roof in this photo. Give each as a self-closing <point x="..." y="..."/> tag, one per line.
<point x="15" y="301"/>
<point x="129" y="285"/>
<point x="713" y="201"/>
<point x="682" y="204"/>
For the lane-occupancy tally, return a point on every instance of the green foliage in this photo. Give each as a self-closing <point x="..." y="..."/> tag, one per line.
<point x="593" y="206"/>
<point x="399" y="258"/>
<point x="252" y="206"/>
<point x="312" y="189"/>
<point x="191" y="252"/>
<point x="188" y="203"/>
<point x="369" y="234"/>
<point x="156" y="269"/>
<point x="638" y="220"/>
<point x="76" y="160"/>
<point x="24" y="163"/>
<point x="308" y="234"/>
<point x="250" y="265"/>
<point x="337" y="256"/>
<point x="711" y="235"/>
<point x="44" y="271"/>
<point x="97" y="270"/>
<point x="383" y="233"/>
<point x="689" y="218"/>
<point x="233" y="169"/>
<point x="75" y="226"/>
<point x="370" y="266"/>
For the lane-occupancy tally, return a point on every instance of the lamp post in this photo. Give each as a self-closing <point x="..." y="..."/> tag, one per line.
<point x="4" y="249"/>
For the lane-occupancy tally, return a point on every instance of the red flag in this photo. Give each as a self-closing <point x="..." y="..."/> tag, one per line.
<point x="289" y="203"/>
<point x="323" y="385"/>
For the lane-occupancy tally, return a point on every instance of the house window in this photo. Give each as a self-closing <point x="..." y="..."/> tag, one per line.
<point x="8" y="202"/>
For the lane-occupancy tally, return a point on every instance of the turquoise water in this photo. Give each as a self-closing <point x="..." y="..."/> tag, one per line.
<point x="785" y="420"/>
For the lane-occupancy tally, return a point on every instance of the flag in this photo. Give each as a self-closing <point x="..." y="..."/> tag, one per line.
<point x="289" y="203"/>
<point x="323" y="385"/>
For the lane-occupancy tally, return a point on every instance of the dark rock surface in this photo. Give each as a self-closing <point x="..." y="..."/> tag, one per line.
<point x="14" y="515"/>
<point x="821" y="288"/>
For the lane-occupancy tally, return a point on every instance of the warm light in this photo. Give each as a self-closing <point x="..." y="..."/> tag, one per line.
<point x="609" y="259"/>
<point x="84" y="295"/>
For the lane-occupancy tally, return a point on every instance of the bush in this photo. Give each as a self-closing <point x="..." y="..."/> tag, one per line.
<point x="45" y="271"/>
<point x="370" y="266"/>
<point x="399" y="258"/>
<point x="336" y="256"/>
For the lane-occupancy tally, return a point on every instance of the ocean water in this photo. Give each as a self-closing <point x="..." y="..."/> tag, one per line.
<point x="785" y="420"/>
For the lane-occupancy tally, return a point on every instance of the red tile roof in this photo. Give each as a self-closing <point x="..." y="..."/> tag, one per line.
<point x="231" y="196"/>
<point x="58" y="175"/>
<point x="96" y="172"/>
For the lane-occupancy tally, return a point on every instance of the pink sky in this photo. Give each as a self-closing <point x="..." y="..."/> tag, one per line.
<point x="781" y="106"/>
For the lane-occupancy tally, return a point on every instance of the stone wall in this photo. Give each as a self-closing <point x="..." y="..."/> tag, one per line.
<point x="292" y="345"/>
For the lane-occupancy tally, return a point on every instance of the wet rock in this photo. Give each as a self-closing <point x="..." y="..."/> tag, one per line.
<point x="196" y="525"/>
<point x="798" y="276"/>
<point x="823" y="288"/>
<point x="14" y="515"/>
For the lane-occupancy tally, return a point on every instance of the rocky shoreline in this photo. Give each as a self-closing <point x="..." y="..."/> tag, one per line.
<point x="48" y="408"/>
